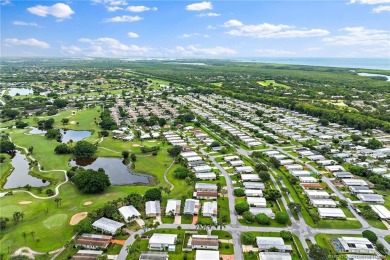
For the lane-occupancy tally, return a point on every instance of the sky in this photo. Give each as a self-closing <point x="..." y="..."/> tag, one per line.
<point x="192" y="29"/>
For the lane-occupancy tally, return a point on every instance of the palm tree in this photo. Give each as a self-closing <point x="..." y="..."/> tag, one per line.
<point x="32" y="233"/>
<point x="24" y="234"/>
<point x="57" y="201"/>
<point x="224" y="192"/>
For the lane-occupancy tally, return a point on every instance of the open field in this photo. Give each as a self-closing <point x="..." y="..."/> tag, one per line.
<point x="272" y="83"/>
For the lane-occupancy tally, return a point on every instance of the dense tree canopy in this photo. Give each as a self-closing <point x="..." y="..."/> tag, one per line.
<point x="90" y="181"/>
<point x="84" y="149"/>
<point x="153" y="194"/>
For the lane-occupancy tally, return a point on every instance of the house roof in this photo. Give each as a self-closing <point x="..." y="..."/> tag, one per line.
<point x="274" y="256"/>
<point x="128" y="212"/>
<point x="152" y="207"/>
<point x="204" y="240"/>
<point x="158" y="238"/>
<point x="93" y="240"/>
<point x="152" y="255"/>
<point x="107" y="224"/>
<point x="206" y="255"/>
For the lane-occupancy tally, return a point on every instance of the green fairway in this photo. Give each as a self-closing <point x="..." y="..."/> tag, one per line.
<point x="56" y="221"/>
<point x="272" y="83"/>
<point x="7" y="211"/>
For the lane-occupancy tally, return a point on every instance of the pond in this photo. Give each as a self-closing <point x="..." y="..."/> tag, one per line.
<point x="67" y="135"/>
<point x="119" y="172"/>
<point x="20" y="91"/>
<point x="373" y="75"/>
<point x="19" y="177"/>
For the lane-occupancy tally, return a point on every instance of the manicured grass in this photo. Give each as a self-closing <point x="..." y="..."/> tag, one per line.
<point x="223" y="209"/>
<point x="226" y="249"/>
<point x="269" y="82"/>
<point x="5" y="168"/>
<point x="273" y="223"/>
<point x="114" y="249"/>
<point x="167" y="220"/>
<point x="222" y="234"/>
<point x="387" y="238"/>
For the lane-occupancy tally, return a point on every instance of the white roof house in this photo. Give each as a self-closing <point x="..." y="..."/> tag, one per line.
<point x="317" y="194"/>
<point x="334" y="168"/>
<point x="210" y="209"/>
<point x="331" y="213"/>
<point x="253" y="193"/>
<point x="274" y="256"/>
<point x="161" y="241"/>
<point x="266" y="211"/>
<point x="204" y="168"/>
<point x="206" y="255"/>
<point x="373" y="198"/>
<point x="236" y="163"/>
<point x="244" y="169"/>
<point x="323" y="203"/>
<point x="128" y="212"/>
<point x="107" y="225"/>
<point x="152" y="208"/>
<point x="205" y="186"/>
<point x="354" y="182"/>
<point x="250" y="177"/>
<point x="231" y="158"/>
<point x="188" y="154"/>
<point x="173" y="206"/>
<point x="300" y="173"/>
<point x="361" y="189"/>
<point x="308" y="179"/>
<point x="286" y="162"/>
<point x="265" y="243"/>
<point x="357" y="245"/>
<point x="257" y="202"/>
<point x="254" y="185"/>
<point x="382" y="211"/>
<point x="191" y="207"/>
<point x="291" y="167"/>
<point x="205" y="175"/>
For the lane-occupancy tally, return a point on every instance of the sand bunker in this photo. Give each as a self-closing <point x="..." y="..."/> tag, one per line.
<point x="76" y="218"/>
<point x="136" y="145"/>
<point x="72" y="122"/>
<point x="25" y="202"/>
<point x="87" y="203"/>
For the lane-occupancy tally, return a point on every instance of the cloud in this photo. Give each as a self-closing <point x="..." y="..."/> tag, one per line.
<point x="266" y="30"/>
<point x="269" y="52"/>
<point x="110" y="47"/>
<point x="360" y="36"/>
<point x="5" y="2"/>
<point x="109" y="2"/>
<point x="122" y="19"/>
<point x="199" y="6"/>
<point x="369" y="2"/>
<point x="22" y="23"/>
<point x="113" y="8"/>
<point x="27" y="42"/>
<point x="381" y="8"/>
<point x="314" y="49"/>
<point x="73" y="50"/>
<point x="189" y="35"/>
<point x="140" y="8"/>
<point x="132" y="35"/>
<point x="59" y="10"/>
<point x="211" y="27"/>
<point x="209" y="15"/>
<point x="196" y="50"/>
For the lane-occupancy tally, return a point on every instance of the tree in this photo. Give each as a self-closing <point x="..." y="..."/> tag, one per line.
<point x="10" y="113"/>
<point x="153" y="194"/>
<point x="275" y="162"/>
<point x="175" y="151"/>
<point x="272" y="195"/>
<point x="181" y="173"/>
<point x="323" y="122"/>
<point x="248" y="238"/>
<point x="239" y="192"/>
<point x="374" y="144"/>
<point x="103" y="133"/>
<point x="30" y="149"/>
<point x="90" y="181"/>
<point x="133" y="157"/>
<point x="281" y="217"/>
<point x="63" y="149"/>
<point x="264" y="176"/>
<point x="381" y="248"/>
<point x="260" y="167"/>
<point x="53" y="134"/>
<point x="6" y="146"/>
<point x="2" y="158"/>
<point x="3" y="222"/>
<point x="241" y="207"/>
<point x="262" y="219"/>
<point x="125" y="154"/>
<point x="57" y="201"/>
<point x="370" y="236"/>
<point x="248" y="216"/>
<point x="286" y="235"/>
<point x="295" y="207"/>
<point x="84" y="226"/>
<point x="20" y="124"/>
<point x="84" y="149"/>
<point x="49" y="192"/>
<point x="317" y="252"/>
<point x="60" y="103"/>
<point x="343" y="203"/>
<point x="65" y="121"/>
<point x="293" y="180"/>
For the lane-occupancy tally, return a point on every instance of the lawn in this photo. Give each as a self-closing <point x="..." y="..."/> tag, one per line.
<point x="222" y="234"/>
<point x="5" y="168"/>
<point x="272" y="83"/>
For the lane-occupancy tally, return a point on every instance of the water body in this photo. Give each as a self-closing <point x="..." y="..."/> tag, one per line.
<point x="67" y="135"/>
<point x="119" y="173"/>
<point x="373" y="75"/>
<point x="364" y="63"/>
<point x="21" y="91"/>
<point x="19" y="177"/>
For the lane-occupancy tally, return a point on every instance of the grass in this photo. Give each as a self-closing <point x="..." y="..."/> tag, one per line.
<point x="5" y="168"/>
<point x="226" y="249"/>
<point x="267" y="83"/>
<point x="387" y="238"/>
<point x="222" y="234"/>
